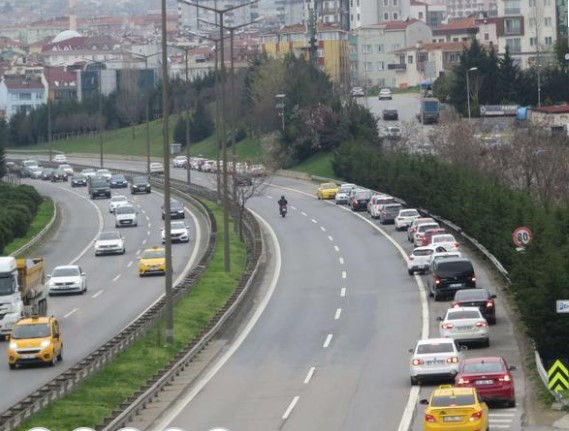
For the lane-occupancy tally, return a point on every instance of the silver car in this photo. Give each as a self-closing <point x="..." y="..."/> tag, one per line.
<point x="435" y="358"/>
<point x="405" y="218"/>
<point x="66" y="279"/>
<point x="126" y="215"/>
<point x="465" y="325"/>
<point x="109" y="243"/>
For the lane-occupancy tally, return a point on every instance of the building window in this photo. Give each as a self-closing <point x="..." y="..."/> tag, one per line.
<point x="395" y="16"/>
<point x="352" y="17"/>
<point x="366" y="49"/>
<point x="420" y="15"/>
<point x="379" y="48"/>
<point x="368" y="65"/>
<point x="351" y="3"/>
<point x="394" y="2"/>
<point x="549" y="41"/>
<point x="514" y="45"/>
<point x="380" y="65"/>
<point x="532" y="41"/>
<point x="410" y="59"/>
<point x="547" y="22"/>
<point x="531" y="3"/>
<point x="358" y="17"/>
<point x="386" y="16"/>
<point x="547" y="2"/>
<point x="486" y="36"/>
<point x="401" y="59"/>
<point x="455" y="39"/>
<point x="385" y="2"/>
<point x="512" y="26"/>
<point x="512" y="7"/>
<point x="25" y="96"/>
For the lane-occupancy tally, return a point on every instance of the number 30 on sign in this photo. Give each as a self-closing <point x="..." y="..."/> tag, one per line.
<point x="522" y="236"/>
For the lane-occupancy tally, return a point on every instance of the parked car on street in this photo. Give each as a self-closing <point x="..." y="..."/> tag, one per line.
<point x="357" y="92"/>
<point x="385" y="94"/>
<point x="343" y="193"/>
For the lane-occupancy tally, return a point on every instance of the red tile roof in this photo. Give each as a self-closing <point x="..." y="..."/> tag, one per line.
<point x="57" y="76"/>
<point x="557" y="109"/>
<point x="23" y="83"/>
<point x="457" y="24"/>
<point x="399" y="25"/>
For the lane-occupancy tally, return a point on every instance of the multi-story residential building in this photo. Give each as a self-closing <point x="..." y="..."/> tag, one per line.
<point x="19" y="94"/>
<point x="528" y="29"/>
<point x="61" y="84"/>
<point x="196" y="19"/>
<point x="332" y="47"/>
<point x="418" y="10"/>
<point x="426" y="61"/>
<point x="374" y="51"/>
<point x="332" y="12"/>
<point x="562" y="18"/>
<point x="369" y="12"/>
<point x="466" y="8"/>
<point x="456" y="30"/>
<point x="487" y="34"/>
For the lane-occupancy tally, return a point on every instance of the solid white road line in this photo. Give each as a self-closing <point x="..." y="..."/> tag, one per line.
<point x="327" y="341"/>
<point x="309" y="375"/>
<point x="290" y="408"/>
<point x="117" y="277"/>
<point x="70" y="313"/>
<point x="97" y="294"/>
<point x="338" y="314"/>
<point x="343" y="292"/>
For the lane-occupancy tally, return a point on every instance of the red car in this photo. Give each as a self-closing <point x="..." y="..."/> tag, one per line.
<point x="490" y="376"/>
<point x="429" y="233"/>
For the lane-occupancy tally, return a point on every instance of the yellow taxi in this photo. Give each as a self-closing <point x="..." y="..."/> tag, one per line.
<point x="455" y="409"/>
<point x="152" y="261"/>
<point x="327" y="191"/>
<point x="35" y="340"/>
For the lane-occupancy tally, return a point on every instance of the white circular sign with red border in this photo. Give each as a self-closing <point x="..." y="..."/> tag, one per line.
<point x="522" y="236"/>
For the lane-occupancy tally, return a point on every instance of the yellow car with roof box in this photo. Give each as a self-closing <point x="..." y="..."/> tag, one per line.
<point x="327" y="191"/>
<point x="35" y="340"/>
<point x="152" y="261"/>
<point x="455" y="409"/>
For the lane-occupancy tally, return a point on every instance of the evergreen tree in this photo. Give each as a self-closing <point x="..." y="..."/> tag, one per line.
<point x="508" y="78"/>
<point x="201" y="123"/>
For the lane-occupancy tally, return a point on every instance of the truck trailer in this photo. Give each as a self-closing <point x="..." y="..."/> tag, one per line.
<point x="430" y="107"/>
<point x="22" y="291"/>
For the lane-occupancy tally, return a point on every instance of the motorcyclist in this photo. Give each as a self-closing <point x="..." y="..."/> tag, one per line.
<point x="282" y="202"/>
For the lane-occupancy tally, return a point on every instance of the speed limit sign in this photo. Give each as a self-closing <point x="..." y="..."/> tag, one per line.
<point x="522" y="236"/>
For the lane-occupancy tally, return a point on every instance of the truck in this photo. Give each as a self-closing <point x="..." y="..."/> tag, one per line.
<point x="430" y="107"/>
<point x="22" y="291"/>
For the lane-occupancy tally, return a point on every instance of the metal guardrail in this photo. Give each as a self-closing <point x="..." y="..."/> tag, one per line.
<point x="66" y="382"/>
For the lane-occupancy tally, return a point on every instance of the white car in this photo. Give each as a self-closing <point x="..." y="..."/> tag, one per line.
<point x="180" y="162"/>
<point x="443" y="255"/>
<point x="67" y="279"/>
<point x="88" y="172"/>
<point x="465" y="325"/>
<point x="385" y="93"/>
<point x="156" y="168"/>
<point x="126" y="215"/>
<point x="420" y="258"/>
<point x="357" y="92"/>
<point x="67" y="169"/>
<point x="104" y="173"/>
<point x="117" y="201"/>
<point x="421" y="229"/>
<point x="435" y="358"/>
<point x="445" y="240"/>
<point x="35" y="173"/>
<point x="405" y="218"/>
<point x="343" y="193"/>
<point x="178" y="231"/>
<point x="59" y="158"/>
<point x="109" y="243"/>
<point x="378" y="204"/>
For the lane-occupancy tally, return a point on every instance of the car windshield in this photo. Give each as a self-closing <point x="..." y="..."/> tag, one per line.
<point x="408" y="213"/>
<point x="119" y="199"/>
<point x="483" y="368"/>
<point x="177" y="225"/>
<point x="99" y="183"/>
<point x="328" y="186"/>
<point x="424" y="227"/>
<point x="426" y="252"/>
<point x="33" y="330"/>
<point x="175" y="206"/>
<point x="435" y="348"/>
<point x="363" y="195"/>
<point x="7" y="284"/>
<point x="78" y="177"/>
<point x="126" y="209"/>
<point x="105" y="236"/>
<point x="345" y="189"/>
<point x="453" y="400"/>
<point x="470" y="294"/>
<point x="139" y="180"/>
<point x="65" y="272"/>
<point x="453" y="268"/>
<point x="463" y="314"/>
<point x="153" y="254"/>
<point x="118" y="178"/>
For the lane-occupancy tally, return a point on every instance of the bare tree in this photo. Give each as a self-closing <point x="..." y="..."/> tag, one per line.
<point x="130" y="100"/>
<point x="244" y="192"/>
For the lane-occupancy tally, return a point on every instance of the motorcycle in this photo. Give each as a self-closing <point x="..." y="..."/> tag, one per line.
<point x="282" y="210"/>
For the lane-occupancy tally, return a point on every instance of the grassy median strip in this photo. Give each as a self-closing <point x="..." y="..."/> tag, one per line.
<point x="102" y="393"/>
<point x="41" y="219"/>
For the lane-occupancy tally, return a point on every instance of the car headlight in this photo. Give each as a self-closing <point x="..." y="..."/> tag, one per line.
<point x="13" y="345"/>
<point x="45" y="343"/>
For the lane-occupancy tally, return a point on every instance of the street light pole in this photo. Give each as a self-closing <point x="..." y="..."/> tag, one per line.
<point x="221" y="13"/>
<point x="472" y="69"/>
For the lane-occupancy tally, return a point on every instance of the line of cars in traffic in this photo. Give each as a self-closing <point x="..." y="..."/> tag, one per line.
<point x="447" y="275"/>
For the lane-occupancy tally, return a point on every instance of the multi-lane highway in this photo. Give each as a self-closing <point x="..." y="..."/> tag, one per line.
<point x="116" y="295"/>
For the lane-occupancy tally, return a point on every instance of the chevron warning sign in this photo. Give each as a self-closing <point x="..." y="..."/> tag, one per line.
<point x="558" y="377"/>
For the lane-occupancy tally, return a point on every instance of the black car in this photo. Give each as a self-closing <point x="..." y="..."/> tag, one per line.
<point x="46" y="174"/>
<point x="59" y="175"/>
<point x="118" y="181"/>
<point x="359" y="200"/>
<point x="176" y="210"/>
<point x="140" y="185"/>
<point x="449" y="276"/>
<point x="390" y="114"/>
<point x="480" y="298"/>
<point x="78" y="180"/>
<point x="99" y="189"/>
<point x="243" y="179"/>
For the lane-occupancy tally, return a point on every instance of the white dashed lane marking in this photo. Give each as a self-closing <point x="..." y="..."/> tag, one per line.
<point x="341" y="259"/>
<point x="343" y="292"/>
<point x="314" y="221"/>
<point x="330" y="238"/>
<point x="290" y="408"/>
<point x="303" y="213"/>
<point x="338" y="314"/>
<point x="97" y="294"/>
<point x="309" y="375"/>
<point x="327" y="341"/>
<point x="117" y="277"/>
<point x="70" y="313"/>
<point x="322" y="228"/>
<point x="344" y="274"/>
<point x="336" y="248"/>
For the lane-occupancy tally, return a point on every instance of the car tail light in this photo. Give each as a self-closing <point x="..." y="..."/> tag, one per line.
<point x="489" y="304"/>
<point x="455" y="305"/>
<point x="430" y="418"/>
<point x="437" y="280"/>
<point x="453" y="360"/>
<point x="462" y="381"/>
<point x="418" y="362"/>
<point x="505" y="378"/>
<point x="448" y="326"/>
<point x="481" y="324"/>
<point x="411" y="257"/>
<point x="476" y="416"/>
<point x="473" y="278"/>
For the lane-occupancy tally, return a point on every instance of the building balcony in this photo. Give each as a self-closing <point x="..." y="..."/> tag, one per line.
<point x="401" y="67"/>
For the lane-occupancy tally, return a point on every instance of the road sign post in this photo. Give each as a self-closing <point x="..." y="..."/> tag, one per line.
<point x="558" y="376"/>
<point x="522" y="237"/>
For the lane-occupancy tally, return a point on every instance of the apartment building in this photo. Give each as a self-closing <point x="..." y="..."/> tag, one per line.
<point x="466" y="8"/>
<point x="369" y="12"/>
<point x="374" y="51"/>
<point x="19" y="94"/>
<point x="528" y="28"/>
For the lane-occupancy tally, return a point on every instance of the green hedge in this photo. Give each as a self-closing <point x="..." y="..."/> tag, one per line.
<point x="18" y="206"/>
<point x="489" y="212"/>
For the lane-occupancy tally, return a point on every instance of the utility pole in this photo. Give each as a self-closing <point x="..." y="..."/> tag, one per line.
<point x="221" y="13"/>
<point x="312" y="29"/>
